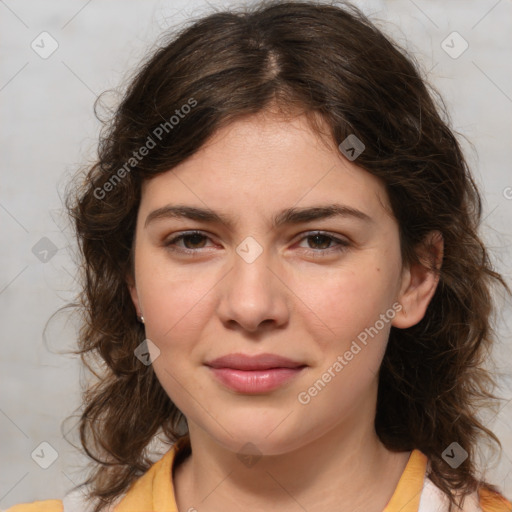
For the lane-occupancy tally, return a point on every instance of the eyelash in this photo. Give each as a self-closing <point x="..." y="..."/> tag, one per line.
<point x="342" y="244"/>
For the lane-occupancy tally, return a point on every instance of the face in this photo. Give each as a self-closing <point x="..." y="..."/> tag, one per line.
<point x="321" y="291"/>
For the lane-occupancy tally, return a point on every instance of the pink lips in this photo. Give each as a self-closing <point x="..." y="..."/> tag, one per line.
<point x="254" y="374"/>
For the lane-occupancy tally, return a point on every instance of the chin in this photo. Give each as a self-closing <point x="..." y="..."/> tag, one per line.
<point x="257" y="439"/>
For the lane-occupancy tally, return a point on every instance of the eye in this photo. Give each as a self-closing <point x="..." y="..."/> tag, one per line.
<point x="193" y="239"/>
<point x="323" y="242"/>
<point x="190" y="243"/>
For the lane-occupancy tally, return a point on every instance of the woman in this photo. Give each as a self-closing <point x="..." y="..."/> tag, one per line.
<point x="283" y="280"/>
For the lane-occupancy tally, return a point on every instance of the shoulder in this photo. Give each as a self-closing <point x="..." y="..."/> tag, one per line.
<point x="38" y="506"/>
<point x="434" y="500"/>
<point x="493" y="502"/>
<point x="140" y="496"/>
<point x="72" y="502"/>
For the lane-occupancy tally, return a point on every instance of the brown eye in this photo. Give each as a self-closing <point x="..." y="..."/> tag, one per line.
<point x="319" y="243"/>
<point x="192" y="241"/>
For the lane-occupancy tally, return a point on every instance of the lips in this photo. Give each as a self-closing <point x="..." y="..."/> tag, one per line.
<point x="258" y="362"/>
<point x="254" y="374"/>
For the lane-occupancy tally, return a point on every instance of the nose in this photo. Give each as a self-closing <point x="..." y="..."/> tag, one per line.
<point x="254" y="296"/>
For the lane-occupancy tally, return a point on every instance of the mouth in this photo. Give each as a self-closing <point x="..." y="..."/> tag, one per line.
<point x="254" y="374"/>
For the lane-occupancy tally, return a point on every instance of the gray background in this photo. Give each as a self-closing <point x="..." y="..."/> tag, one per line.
<point x="49" y="130"/>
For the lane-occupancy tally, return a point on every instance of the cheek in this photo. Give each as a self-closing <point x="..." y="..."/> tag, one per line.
<point x="174" y="309"/>
<point x="357" y="309"/>
<point x="345" y="302"/>
<point x="177" y="309"/>
<point x="171" y="297"/>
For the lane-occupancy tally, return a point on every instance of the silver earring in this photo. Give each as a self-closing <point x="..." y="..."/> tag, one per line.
<point x="141" y="319"/>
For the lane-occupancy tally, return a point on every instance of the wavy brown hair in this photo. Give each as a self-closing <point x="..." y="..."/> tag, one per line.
<point x="329" y="62"/>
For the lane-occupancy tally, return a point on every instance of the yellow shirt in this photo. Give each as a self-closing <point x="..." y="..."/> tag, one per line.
<point x="154" y="492"/>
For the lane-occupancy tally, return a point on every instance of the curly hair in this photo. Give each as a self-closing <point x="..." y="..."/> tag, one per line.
<point x="329" y="62"/>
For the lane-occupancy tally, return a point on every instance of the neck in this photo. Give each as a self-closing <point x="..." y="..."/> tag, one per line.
<point x="345" y="470"/>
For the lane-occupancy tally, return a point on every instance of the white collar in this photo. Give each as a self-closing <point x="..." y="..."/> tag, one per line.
<point x="433" y="499"/>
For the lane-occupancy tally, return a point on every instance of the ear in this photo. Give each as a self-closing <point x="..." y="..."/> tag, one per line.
<point x="419" y="282"/>
<point x="130" y="281"/>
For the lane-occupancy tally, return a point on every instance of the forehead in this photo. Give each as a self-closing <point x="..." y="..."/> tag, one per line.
<point x="264" y="162"/>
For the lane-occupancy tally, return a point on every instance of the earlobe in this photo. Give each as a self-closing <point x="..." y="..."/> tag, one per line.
<point x="419" y="282"/>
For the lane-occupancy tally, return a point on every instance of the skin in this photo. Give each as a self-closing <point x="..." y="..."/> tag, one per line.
<point x="287" y="302"/>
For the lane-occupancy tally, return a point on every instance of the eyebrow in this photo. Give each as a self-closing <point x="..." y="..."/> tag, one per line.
<point x="288" y="216"/>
